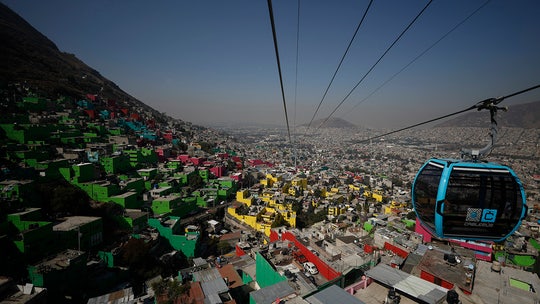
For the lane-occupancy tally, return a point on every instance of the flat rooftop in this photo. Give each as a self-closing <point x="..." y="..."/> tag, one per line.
<point x="406" y="284"/>
<point x="73" y="222"/>
<point x="458" y="274"/>
<point x="509" y="286"/>
<point x="60" y="261"/>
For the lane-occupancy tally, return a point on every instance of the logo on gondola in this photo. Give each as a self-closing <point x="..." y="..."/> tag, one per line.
<point x="481" y="215"/>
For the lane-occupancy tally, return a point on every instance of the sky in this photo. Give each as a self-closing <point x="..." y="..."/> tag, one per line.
<point x="214" y="62"/>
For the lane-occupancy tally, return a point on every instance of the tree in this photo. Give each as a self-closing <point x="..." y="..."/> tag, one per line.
<point x="207" y="147"/>
<point x="195" y="181"/>
<point x="135" y="255"/>
<point x="279" y="221"/>
<point x="411" y="215"/>
<point x="170" y="291"/>
<point x="224" y="247"/>
<point x="64" y="198"/>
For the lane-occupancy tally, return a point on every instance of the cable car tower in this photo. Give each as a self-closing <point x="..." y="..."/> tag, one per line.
<point x="468" y="198"/>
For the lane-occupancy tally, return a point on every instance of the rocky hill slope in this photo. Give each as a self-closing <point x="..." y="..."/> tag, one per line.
<point x="32" y="60"/>
<point x="526" y="116"/>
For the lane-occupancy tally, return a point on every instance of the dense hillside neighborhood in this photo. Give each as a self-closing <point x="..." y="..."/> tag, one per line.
<point x="99" y="199"/>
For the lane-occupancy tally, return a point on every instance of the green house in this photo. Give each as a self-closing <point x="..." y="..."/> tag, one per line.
<point x="133" y="220"/>
<point x="128" y="200"/>
<point x="20" y="191"/>
<point x="147" y="174"/>
<point x="90" y="137"/>
<point x="50" y="169"/>
<point x="131" y="184"/>
<point x="169" y="228"/>
<point x="175" y="165"/>
<point x="35" y="237"/>
<point x="166" y="204"/>
<point x="22" y="133"/>
<point x="33" y="103"/>
<point x="100" y="191"/>
<point x="64" y="275"/>
<point x="79" y="173"/>
<point x="80" y="232"/>
<point x="139" y="157"/>
<point x="115" y="164"/>
<point x="30" y="155"/>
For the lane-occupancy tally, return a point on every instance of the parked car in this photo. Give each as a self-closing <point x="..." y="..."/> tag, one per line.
<point x="310" y="267"/>
<point x="299" y="257"/>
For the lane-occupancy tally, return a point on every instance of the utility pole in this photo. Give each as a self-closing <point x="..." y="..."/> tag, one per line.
<point x="79" y="238"/>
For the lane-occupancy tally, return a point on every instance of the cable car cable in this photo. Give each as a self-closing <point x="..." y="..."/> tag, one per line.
<point x="340" y="62"/>
<point x="271" y="13"/>
<point x="479" y="106"/>
<point x="418" y="57"/>
<point x="296" y="78"/>
<point x="377" y="62"/>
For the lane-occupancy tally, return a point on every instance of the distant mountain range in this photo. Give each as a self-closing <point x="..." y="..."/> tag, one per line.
<point x="31" y="59"/>
<point x="525" y="116"/>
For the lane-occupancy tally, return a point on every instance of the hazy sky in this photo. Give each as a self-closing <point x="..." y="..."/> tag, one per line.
<point x="214" y="61"/>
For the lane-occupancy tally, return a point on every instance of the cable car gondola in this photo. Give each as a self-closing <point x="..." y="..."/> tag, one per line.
<point x="469" y="199"/>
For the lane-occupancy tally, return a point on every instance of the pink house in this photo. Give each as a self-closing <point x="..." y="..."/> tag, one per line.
<point x="255" y="162"/>
<point x="183" y="157"/>
<point x="168" y="136"/>
<point x="218" y="171"/>
<point x="197" y="161"/>
<point x="223" y="155"/>
<point x="208" y="163"/>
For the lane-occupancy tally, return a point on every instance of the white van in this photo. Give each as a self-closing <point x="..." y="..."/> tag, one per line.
<point x="310" y="267"/>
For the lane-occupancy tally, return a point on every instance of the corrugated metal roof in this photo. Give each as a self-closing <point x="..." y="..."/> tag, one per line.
<point x="215" y="286"/>
<point x="269" y="294"/>
<point x="333" y="294"/>
<point x="408" y="284"/>
<point x="206" y="275"/>
<point x="121" y="296"/>
<point x="199" y="261"/>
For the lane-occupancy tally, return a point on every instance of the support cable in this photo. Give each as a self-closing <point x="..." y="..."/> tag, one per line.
<point x="419" y="56"/>
<point x="296" y="79"/>
<point x="375" y="64"/>
<point x="340" y="62"/>
<point x="484" y="104"/>
<point x="271" y="13"/>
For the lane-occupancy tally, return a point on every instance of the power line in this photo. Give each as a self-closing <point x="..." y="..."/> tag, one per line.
<point x="377" y="62"/>
<point x="340" y="62"/>
<point x="296" y="79"/>
<point x="479" y="106"/>
<point x="271" y="13"/>
<point x="296" y="65"/>
<point x="420" y="55"/>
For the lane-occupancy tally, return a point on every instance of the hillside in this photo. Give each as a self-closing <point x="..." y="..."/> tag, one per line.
<point x="525" y="116"/>
<point x="30" y="58"/>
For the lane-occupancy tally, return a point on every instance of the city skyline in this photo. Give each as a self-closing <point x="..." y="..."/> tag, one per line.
<point x="214" y="62"/>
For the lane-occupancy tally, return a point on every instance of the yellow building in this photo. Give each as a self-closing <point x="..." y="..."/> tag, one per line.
<point x="300" y="182"/>
<point x="243" y="196"/>
<point x="354" y="187"/>
<point x="265" y="218"/>
<point x="377" y="195"/>
<point x="270" y="180"/>
<point x="336" y="211"/>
